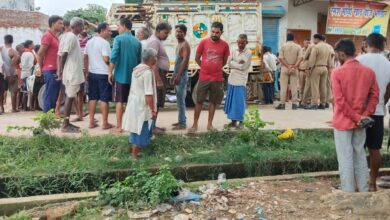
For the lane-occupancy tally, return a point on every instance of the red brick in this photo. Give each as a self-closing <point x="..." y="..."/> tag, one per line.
<point x="15" y="18"/>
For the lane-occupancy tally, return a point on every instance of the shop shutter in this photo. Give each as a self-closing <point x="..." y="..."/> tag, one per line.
<point x="271" y="33"/>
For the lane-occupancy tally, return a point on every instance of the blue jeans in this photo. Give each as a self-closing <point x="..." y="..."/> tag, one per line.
<point x="181" y="92"/>
<point x="52" y="90"/>
<point x="267" y="91"/>
<point x="276" y="82"/>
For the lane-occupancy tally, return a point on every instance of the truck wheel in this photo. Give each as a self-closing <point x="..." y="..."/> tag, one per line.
<point x="41" y="98"/>
<point x="192" y="81"/>
<point x="40" y="95"/>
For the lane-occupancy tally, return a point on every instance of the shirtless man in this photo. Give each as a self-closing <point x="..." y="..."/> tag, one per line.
<point x="179" y="78"/>
<point x="10" y="58"/>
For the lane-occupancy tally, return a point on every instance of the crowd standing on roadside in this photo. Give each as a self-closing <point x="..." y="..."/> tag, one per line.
<point x="74" y="66"/>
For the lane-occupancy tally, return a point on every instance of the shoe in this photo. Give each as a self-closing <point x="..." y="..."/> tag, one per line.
<point x="280" y="107"/>
<point x="231" y="125"/>
<point x="158" y="131"/>
<point x="311" y="107"/>
<point x="322" y="106"/>
<point x="179" y="127"/>
<point x="294" y="106"/>
<point x="326" y="105"/>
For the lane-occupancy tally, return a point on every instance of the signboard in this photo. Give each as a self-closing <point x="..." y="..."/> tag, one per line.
<point x="357" y="18"/>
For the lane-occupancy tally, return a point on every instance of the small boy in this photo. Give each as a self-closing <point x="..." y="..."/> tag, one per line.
<point x="239" y="63"/>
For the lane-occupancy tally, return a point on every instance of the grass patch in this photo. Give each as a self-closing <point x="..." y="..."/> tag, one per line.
<point x="67" y="164"/>
<point x="37" y="155"/>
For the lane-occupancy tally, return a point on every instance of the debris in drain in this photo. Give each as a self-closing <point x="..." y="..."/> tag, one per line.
<point x="185" y="195"/>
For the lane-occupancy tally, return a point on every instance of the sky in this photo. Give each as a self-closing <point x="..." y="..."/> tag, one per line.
<point x="51" y="7"/>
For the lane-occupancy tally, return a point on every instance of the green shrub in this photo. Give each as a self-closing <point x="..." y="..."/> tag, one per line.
<point x="253" y="124"/>
<point x="141" y="189"/>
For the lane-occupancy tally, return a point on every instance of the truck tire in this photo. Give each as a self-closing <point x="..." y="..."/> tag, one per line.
<point x="189" y="97"/>
<point x="41" y="98"/>
<point x="40" y="95"/>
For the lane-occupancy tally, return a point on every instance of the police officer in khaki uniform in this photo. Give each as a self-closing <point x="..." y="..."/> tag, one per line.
<point x="318" y="64"/>
<point x="331" y="66"/>
<point x="306" y="99"/>
<point x="302" y="70"/>
<point x="289" y="58"/>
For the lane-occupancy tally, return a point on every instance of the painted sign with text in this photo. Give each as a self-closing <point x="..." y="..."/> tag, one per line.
<point x="357" y="18"/>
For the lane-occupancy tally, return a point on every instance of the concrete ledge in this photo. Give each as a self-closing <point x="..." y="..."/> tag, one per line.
<point x="325" y="174"/>
<point x="10" y="206"/>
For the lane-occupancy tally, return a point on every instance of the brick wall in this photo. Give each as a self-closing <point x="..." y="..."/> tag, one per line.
<point x="24" y="5"/>
<point x="15" y="18"/>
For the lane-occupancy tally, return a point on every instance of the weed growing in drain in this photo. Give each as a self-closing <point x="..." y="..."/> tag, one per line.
<point x="253" y="123"/>
<point x="20" y="216"/>
<point x="141" y="189"/>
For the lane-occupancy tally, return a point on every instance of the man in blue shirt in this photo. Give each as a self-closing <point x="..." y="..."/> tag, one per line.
<point x="125" y="55"/>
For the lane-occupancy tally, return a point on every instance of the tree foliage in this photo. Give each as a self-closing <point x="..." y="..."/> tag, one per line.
<point x="93" y="13"/>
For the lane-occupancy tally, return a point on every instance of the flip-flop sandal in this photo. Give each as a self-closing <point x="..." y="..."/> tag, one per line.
<point x="85" y="114"/>
<point x="70" y="129"/>
<point x="157" y="131"/>
<point x="192" y="131"/>
<point x="94" y="126"/>
<point x="161" y="129"/>
<point x="77" y="119"/>
<point x="108" y="127"/>
<point x="179" y="127"/>
<point x="116" y="131"/>
<point x="212" y="129"/>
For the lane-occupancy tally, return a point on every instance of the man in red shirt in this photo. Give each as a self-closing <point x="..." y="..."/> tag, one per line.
<point x="47" y="60"/>
<point x="211" y="56"/>
<point x="355" y="95"/>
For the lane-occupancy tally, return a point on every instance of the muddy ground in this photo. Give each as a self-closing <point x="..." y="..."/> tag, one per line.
<point x="301" y="198"/>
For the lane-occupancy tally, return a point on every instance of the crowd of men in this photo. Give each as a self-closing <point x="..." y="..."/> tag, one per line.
<point x="71" y="63"/>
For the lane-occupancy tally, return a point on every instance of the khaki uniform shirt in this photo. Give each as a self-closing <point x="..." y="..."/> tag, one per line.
<point x="290" y="52"/>
<point x="332" y="56"/>
<point x="302" y="55"/>
<point x="320" y="55"/>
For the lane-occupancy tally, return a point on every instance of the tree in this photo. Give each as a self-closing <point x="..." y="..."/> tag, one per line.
<point x="93" y="13"/>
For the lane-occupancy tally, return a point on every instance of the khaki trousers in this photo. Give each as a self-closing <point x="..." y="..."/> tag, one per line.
<point x="285" y="78"/>
<point x="329" y="94"/>
<point x="306" y="96"/>
<point x="302" y="82"/>
<point x="318" y="84"/>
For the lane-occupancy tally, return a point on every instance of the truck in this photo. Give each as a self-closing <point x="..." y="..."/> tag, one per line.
<point x="237" y="16"/>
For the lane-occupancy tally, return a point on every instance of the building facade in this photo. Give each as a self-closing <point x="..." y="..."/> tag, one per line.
<point x="18" y="18"/>
<point x="304" y="18"/>
<point x="21" y="5"/>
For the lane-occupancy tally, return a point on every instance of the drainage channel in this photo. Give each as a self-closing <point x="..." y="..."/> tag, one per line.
<point x="91" y="181"/>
